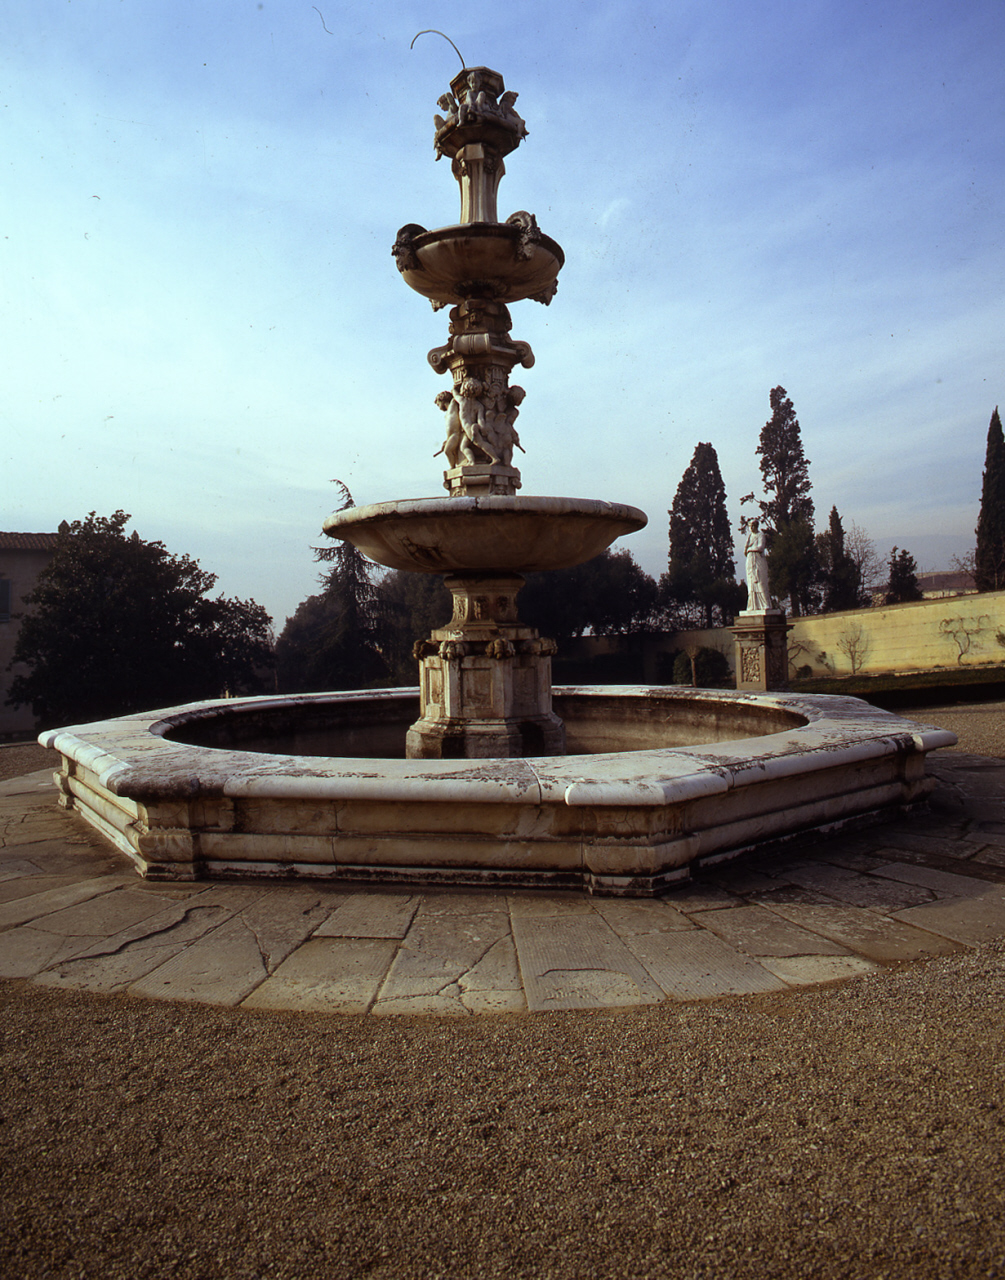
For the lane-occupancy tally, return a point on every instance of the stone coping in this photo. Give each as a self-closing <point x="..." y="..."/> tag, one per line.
<point x="131" y="755"/>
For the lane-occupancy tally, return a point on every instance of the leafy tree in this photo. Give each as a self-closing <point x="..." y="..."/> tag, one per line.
<point x="840" y="581"/>
<point x="413" y="605"/>
<point x="793" y="567"/>
<point x="610" y="594"/>
<point x="903" y="582"/>
<point x="989" y="559"/>
<point x="338" y="639"/>
<point x="117" y="625"/>
<point x="701" y="569"/>
<point x="788" y="512"/>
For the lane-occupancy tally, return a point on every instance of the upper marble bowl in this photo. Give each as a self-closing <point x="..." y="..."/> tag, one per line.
<point x="484" y="535"/>
<point x="481" y="259"/>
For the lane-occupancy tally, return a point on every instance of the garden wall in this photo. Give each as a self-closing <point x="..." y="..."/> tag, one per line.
<point x="952" y="631"/>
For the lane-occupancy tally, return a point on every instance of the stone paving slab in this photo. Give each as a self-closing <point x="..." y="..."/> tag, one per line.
<point x="857" y="889"/>
<point x="699" y="966"/>
<point x="22" y="882"/>
<point x="943" y="884"/>
<point x="437" y="954"/>
<point x="811" y="971"/>
<point x="222" y="967"/>
<point x="114" y="963"/>
<point x="970" y="921"/>
<point x="578" y="962"/>
<point x="370" y="915"/>
<point x="626" y="916"/>
<point x="73" y="914"/>
<point x="49" y="901"/>
<point x="756" y="931"/>
<point x="870" y="935"/>
<point x="327" y="975"/>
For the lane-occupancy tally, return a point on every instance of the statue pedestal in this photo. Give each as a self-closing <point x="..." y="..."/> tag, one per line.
<point x="485" y="679"/>
<point x="762" y="650"/>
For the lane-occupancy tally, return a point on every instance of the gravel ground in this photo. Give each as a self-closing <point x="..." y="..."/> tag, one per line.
<point x="851" y="1131"/>
<point x="980" y="726"/>
<point x="24" y="757"/>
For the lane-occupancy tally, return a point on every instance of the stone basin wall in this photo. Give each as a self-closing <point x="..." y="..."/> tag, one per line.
<point x="621" y="822"/>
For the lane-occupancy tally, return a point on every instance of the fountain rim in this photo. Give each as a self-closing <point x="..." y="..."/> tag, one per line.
<point x="131" y="756"/>
<point x="494" y="504"/>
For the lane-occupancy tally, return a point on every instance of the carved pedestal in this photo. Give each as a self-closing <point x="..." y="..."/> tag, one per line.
<point x="762" y="651"/>
<point x="485" y="679"/>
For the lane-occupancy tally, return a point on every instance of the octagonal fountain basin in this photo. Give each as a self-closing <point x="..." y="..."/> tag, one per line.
<point x="499" y="534"/>
<point x="661" y="780"/>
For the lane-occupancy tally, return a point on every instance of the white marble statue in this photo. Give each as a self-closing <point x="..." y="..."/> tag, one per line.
<point x="473" y="423"/>
<point x="755" y="552"/>
<point x="451" y="446"/>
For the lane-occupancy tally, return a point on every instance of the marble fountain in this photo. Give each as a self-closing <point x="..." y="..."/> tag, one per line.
<point x="484" y="775"/>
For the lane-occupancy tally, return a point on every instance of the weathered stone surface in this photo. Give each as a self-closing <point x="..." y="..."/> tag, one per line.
<point x="838" y="885"/>
<point x="100" y="916"/>
<point x="454" y="903"/>
<point x="943" y="884"/>
<point x="437" y="952"/>
<point x="50" y="901"/>
<point x="802" y="971"/>
<point x="701" y="896"/>
<point x="696" y="965"/>
<point x="578" y="962"/>
<point x="111" y="964"/>
<point x="967" y="920"/>
<point x="23" y="880"/>
<point x="370" y="915"/>
<point x="760" y="932"/>
<point x="871" y="935"/>
<point x="327" y="975"/>
<point x="632" y="916"/>
<point x="282" y="919"/>
<point x="493" y="984"/>
<point x="27" y="950"/>
<point x="549" y="904"/>
<point x="991" y="855"/>
<point x="223" y="967"/>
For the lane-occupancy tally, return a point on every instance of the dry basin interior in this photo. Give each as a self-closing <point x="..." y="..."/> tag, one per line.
<point x="594" y="723"/>
<point x="658" y="780"/>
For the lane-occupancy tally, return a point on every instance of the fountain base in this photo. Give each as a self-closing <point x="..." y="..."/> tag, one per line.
<point x="485" y="679"/>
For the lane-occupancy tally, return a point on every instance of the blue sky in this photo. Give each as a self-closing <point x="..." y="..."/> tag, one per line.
<point x="203" y="323"/>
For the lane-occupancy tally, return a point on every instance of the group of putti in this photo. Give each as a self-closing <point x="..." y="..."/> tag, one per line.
<point x="476" y="103"/>
<point x="476" y="433"/>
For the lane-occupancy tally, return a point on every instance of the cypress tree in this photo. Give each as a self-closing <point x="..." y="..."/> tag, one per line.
<point x="840" y="577"/>
<point x="989" y="559"/>
<point x="792" y="559"/>
<point x="784" y="468"/>
<point x="701" y="568"/>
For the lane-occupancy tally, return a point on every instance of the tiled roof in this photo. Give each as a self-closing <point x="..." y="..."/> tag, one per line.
<point x="27" y="541"/>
